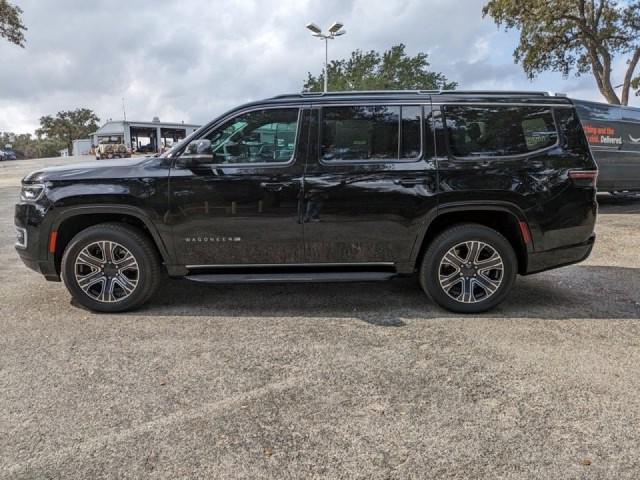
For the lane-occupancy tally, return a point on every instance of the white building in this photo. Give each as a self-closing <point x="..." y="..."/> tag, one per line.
<point x="143" y="136"/>
<point x="81" y="147"/>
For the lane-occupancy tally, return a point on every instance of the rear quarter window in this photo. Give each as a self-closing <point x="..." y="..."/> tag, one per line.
<point x="498" y="131"/>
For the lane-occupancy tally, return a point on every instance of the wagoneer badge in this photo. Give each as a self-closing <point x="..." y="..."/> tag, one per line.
<point x="212" y="239"/>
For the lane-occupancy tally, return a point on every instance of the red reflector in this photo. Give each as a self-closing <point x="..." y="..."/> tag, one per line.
<point x="53" y="237"/>
<point x="524" y="231"/>
<point x="583" y="174"/>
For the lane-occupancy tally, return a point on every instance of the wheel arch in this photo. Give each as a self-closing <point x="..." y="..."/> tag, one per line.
<point x="76" y="219"/>
<point x="506" y="218"/>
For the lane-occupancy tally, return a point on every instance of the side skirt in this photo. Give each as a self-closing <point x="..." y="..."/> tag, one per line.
<point x="291" y="277"/>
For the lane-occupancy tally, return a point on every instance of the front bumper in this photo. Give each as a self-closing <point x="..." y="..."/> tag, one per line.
<point x="34" y="253"/>
<point x="559" y="257"/>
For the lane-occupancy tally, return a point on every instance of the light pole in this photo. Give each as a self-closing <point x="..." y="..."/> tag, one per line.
<point x="335" y="30"/>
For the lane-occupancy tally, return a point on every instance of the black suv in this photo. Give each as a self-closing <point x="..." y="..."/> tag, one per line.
<point x="467" y="189"/>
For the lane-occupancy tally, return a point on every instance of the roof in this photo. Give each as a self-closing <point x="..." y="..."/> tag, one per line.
<point x="117" y="126"/>
<point x="417" y="96"/>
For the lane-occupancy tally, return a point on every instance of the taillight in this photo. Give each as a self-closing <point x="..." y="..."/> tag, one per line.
<point x="524" y="231"/>
<point x="584" y="178"/>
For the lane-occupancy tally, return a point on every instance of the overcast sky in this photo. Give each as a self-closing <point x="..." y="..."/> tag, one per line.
<point x="191" y="60"/>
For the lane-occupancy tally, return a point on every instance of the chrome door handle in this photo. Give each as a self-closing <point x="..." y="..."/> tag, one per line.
<point x="409" y="182"/>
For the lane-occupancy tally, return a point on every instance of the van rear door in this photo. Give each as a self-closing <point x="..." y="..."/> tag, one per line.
<point x="613" y="133"/>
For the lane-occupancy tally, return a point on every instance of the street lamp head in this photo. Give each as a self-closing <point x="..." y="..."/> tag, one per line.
<point x="313" y="28"/>
<point x="335" y="28"/>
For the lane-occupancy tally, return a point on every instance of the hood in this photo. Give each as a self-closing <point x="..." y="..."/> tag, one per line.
<point x="100" y="169"/>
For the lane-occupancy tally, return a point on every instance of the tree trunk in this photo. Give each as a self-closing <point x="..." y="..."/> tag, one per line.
<point x="607" y="88"/>
<point x="603" y="81"/>
<point x="626" y="86"/>
<point x="608" y="92"/>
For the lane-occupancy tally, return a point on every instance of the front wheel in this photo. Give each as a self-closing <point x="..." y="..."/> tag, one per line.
<point x="468" y="268"/>
<point x="111" y="267"/>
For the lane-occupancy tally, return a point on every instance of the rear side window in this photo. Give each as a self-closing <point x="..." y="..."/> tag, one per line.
<point x="371" y="133"/>
<point x="411" y="123"/>
<point x="630" y="115"/>
<point x="498" y="131"/>
<point x="595" y="111"/>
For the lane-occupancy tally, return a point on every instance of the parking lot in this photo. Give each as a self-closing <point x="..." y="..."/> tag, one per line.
<point x="333" y="381"/>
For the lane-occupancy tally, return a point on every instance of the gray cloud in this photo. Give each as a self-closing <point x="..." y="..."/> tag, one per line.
<point x="193" y="59"/>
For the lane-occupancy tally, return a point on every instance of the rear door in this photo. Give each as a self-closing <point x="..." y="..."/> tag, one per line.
<point x="369" y="183"/>
<point x="516" y="156"/>
<point x="235" y="192"/>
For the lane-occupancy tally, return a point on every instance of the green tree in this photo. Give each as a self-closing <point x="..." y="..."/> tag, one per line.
<point x="580" y="35"/>
<point x="11" y="26"/>
<point x="26" y="146"/>
<point x="68" y="126"/>
<point x="393" y="70"/>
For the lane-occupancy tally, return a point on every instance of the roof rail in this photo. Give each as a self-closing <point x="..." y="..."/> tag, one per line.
<point x="358" y="92"/>
<point x="496" y="92"/>
<point x="421" y="92"/>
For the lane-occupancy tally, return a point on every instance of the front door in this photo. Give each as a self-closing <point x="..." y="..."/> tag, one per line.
<point x="370" y="188"/>
<point x="234" y="192"/>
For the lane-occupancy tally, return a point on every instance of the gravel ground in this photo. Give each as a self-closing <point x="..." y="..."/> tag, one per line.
<point x="325" y="381"/>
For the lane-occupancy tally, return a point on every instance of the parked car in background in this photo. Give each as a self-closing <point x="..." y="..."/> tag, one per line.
<point x="466" y="190"/>
<point x="613" y="132"/>
<point x="7" y="154"/>
<point x="112" y="149"/>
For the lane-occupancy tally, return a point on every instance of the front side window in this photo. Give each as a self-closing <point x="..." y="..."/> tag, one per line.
<point x="260" y="136"/>
<point x="497" y="131"/>
<point x="370" y="133"/>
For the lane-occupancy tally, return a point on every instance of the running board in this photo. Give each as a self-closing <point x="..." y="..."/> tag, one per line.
<point x="319" y="277"/>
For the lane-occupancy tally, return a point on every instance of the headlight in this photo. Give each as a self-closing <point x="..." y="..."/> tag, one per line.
<point x="32" y="192"/>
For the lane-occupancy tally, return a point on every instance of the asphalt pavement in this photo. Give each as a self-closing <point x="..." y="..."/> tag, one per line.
<point x="365" y="381"/>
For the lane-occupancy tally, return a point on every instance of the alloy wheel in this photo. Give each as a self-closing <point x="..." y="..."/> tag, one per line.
<point x="471" y="272"/>
<point x="106" y="271"/>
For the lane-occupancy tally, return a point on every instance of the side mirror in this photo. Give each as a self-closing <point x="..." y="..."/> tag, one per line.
<point x="198" y="153"/>
<point x="199" y="147"/>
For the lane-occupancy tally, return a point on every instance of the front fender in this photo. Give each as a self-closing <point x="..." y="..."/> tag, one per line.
<point x="70" y="212"/>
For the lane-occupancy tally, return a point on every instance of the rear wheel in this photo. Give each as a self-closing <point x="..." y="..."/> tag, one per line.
<point x="468" y="268"/>
<point x="111" y="267"/>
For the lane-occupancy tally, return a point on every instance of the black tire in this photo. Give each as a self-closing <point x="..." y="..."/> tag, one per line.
<point x="454" y="237"/>
<point x="148" y="271"/>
